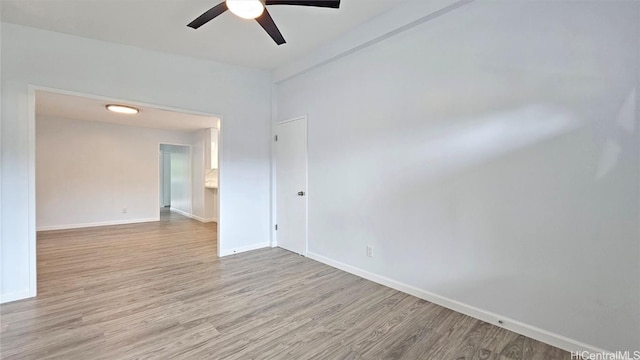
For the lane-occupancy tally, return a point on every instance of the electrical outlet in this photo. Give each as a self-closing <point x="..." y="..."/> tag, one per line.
<point x="369" y="251"/>
<point x="124" y="210"/>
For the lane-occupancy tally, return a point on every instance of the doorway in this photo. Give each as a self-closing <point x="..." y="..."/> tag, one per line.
<point x="165" y="178"/>
<point x="291" y="185"/>
<point x="98" y="168"/>
<point x="175" y="178"/>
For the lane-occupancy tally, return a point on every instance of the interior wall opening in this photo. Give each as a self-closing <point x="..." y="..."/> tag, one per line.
<point x="97" y="168"/>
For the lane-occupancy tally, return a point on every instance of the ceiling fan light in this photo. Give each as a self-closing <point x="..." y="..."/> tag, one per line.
<point x="246" y="9"/>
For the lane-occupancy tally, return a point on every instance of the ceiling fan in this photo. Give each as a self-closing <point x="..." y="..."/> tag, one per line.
<point x="255" y="9"/>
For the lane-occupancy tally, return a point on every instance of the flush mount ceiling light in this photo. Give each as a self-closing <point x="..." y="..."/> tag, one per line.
<point x="246" y="9"/>
<point x="122" y="109"/>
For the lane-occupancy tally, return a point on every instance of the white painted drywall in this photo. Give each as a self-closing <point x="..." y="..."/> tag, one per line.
<point x="211" y="204"/>
<point x="213" y="148"/>
<point x="373" y="30"/>
<point x="15" y="294"/>
<point x="489" y="156"/>
<point x="211" y="139"/>
<point x="181" y="179"/>
<point x="87" y="172"/>
<point x="204" y="200"/>
<point x="198" y="166"/>
<point x="239" y="95"/>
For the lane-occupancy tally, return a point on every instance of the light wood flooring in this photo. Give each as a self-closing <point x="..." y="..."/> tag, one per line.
<point x="158" y="291"/>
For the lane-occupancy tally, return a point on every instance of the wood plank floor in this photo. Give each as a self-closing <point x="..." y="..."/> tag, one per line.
<point x="158" y="291"/>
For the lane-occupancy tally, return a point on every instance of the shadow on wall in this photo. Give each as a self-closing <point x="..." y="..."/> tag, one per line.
<point x="480" y="140"/>
<point x="619" y="134"/>
<point x="476" y="141"/>
<point x="462" y="144"/>
<point x="439" y="152"/>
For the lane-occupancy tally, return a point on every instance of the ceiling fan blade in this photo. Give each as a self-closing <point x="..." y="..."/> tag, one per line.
<point x="209" y="15"/>
<point x="317" y="3"/>
<point x="266" y="21"/>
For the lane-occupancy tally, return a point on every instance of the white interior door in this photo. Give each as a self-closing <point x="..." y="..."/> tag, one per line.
<point x="291" y="185"/>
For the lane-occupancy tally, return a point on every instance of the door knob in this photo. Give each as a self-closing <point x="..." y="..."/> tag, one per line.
<point x="300" y="193"/>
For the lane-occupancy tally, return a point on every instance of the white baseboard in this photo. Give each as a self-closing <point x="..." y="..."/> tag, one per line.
<point x="94" y="224"/>
<point x="227" y="252"/>
<point x="14" y="296"/>
<point x="181" y="212"/>
<point x="204" y="220"/>
<point x="533" y="332"/>
<point x="192" y="216"/>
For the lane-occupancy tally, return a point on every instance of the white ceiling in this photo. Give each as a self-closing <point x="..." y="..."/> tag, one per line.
<point x="162" y="25"/>
<point x="93" y="109"/>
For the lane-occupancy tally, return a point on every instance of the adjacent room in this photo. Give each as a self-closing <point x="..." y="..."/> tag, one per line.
<point x="333" y="179"/>
<point x="96" y="167"/>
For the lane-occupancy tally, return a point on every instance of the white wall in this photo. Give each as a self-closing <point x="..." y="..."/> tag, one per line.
<point x="198" y="166"/>
<point x="204" y="200"/>
<point x="1" y="199"/>
<point x="88" y="171"/>
<point x="240" y="95"/>
<point x="211" y="204"/>
<point x="211" y="139"/>
<point x="491" y="158"/>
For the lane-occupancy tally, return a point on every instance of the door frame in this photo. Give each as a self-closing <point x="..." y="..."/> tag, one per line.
<point x="163" y="184"/>
<point x="190" y="214"/>
<point x="274" y="182"/>
<point x="31" y="145"/>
